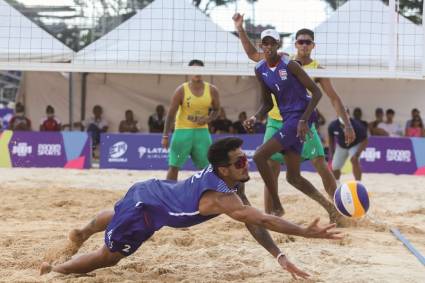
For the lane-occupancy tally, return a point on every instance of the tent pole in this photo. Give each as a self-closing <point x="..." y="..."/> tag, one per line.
<point x="83" y="95"/>
<point x="392" y="37"/>
<point x="423" y="39"/>
<point x="71" y="102"/>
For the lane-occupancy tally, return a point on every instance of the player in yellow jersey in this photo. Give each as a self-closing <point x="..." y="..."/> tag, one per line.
<point x="313" y="148"/>
<point x="193" y="105"/>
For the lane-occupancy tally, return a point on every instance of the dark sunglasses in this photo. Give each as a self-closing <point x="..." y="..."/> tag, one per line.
<point x="304" y="41"/>
<point x="240" y="162"/>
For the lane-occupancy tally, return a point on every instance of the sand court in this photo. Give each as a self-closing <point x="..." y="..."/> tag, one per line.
<point x="40" y="206"/>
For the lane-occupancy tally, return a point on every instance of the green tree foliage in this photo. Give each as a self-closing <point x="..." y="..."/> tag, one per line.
<point x="411" y="9"/>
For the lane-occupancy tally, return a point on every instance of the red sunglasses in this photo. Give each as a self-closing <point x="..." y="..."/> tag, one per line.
<point x="240" y="162"/>
<point x="304" y="41"/>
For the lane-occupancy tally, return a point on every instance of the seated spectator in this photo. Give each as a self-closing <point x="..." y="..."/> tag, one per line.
<point x="373" y="126"/>
<point x="415" y="114"/>
<point x="129" y="125"/>
<point x="50" y="123"/>
<point x="96" y="125"/>
<point x="221" y="125"/>
<point x="357" y="115"/>
<point x="156" y="121"/>
<point x="416" y="128"/>
<point x="238" y="127"/>
<point x="19" y="122"/>
<point x="389" y="127"/>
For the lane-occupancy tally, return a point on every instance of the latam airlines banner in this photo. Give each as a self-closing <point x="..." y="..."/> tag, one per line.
<point x="144" y="151"/>
<point x="45" y="149"/>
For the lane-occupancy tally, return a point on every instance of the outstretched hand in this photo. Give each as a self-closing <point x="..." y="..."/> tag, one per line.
<point x="291" y="268"/>
<point x="314" y="230"/>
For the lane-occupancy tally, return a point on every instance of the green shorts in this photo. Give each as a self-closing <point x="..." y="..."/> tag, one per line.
<point x="312" y="148"/>
<point x="193" y="142"/>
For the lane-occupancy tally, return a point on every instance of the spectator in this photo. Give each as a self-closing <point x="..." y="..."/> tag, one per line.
<point x="156" y="121"/>
<point x="357" y="115"/>
<point x="96" y="125"/>
<point x="389" y="127"/>
<point x="373" y="126"/>
<point x="19" y="122"/>
<point x="221" y="125"/>
<point x="415" y="114"/>
<point x="129" y="125"/>
<point x="416" y="128"/>
<point x="238" y="127"/>
<point x="339" y="151"/>
<point x="50" y="123"/>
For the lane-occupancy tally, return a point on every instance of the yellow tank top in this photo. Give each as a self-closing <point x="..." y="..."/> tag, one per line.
<point x="193" y="108"/>
<point x="275" y="113"/>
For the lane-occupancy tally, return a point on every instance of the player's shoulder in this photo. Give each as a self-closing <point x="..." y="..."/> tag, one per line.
<point x="260" y="64"/>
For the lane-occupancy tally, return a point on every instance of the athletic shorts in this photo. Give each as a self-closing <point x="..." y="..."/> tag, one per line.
<point x="312" y="147"/>
<point x="131" y="225"/>
<point x="341" y="155"/>
<point x="189" y="142"/>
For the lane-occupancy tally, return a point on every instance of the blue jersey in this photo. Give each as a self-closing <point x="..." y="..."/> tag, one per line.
<point x="176" y="204"/>
<point x="290" y="94"/>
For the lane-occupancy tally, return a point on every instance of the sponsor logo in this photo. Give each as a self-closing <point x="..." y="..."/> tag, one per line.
<point x="49" y="149"/>
<point x="370" y="154"/>
<point x="283" y="74"/>
<point x="264" y="74"/>
<point x="396" y="155"/>
<point x="142" y="151"/>
<point x="116" y="151"/>
<point x="152" y="152"/>
<point x="22" y="149"/>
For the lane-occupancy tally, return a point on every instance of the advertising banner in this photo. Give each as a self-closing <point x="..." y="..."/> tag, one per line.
<point x="45" y="149"/>
<point x="144" y="151"/>
<point x="389" y="155"/>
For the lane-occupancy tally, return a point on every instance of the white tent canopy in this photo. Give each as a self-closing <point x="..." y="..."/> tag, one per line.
<point x="22" y="41"/>
<point x="357" y="37"/>
<point x="162" y="38"/>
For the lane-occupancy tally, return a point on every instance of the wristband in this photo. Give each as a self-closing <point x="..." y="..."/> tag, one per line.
<point x="165" y="137"/>
<point x="279" y="255"/>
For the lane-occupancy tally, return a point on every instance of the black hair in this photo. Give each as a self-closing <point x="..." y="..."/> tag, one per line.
<point x="50" y="109"/>
<point x="218" y="153"/>
<point x="196" y="62"/>
<point x="305" y="31"/>
<point x="379" y="110"/>
<point x="390" y="111"/>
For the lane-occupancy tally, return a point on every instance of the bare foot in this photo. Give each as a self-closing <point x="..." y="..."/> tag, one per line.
<point x="45" y="268"/>
<point x="279" y="212"/>
<point x="339" y="220"/>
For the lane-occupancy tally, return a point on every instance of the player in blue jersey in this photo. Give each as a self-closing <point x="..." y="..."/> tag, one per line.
<point x="288" y="83"/>
<point x="152" y="204"/>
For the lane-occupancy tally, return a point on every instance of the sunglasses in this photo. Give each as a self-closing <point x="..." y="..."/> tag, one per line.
<point x="304" y="41"/>
<point x="240" y="162"/>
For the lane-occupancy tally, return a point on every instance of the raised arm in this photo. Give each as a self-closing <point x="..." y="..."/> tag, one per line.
<point x="249" y="48"/>
<point x="176" y="100"/>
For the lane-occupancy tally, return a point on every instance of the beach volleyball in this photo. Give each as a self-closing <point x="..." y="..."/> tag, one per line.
<point x="351" y="199"/>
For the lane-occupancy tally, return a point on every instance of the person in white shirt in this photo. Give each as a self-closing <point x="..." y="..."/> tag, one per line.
<point x="389" y="127"/>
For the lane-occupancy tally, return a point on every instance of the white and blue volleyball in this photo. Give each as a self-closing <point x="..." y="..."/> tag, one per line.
<point x="352" y="199"/>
